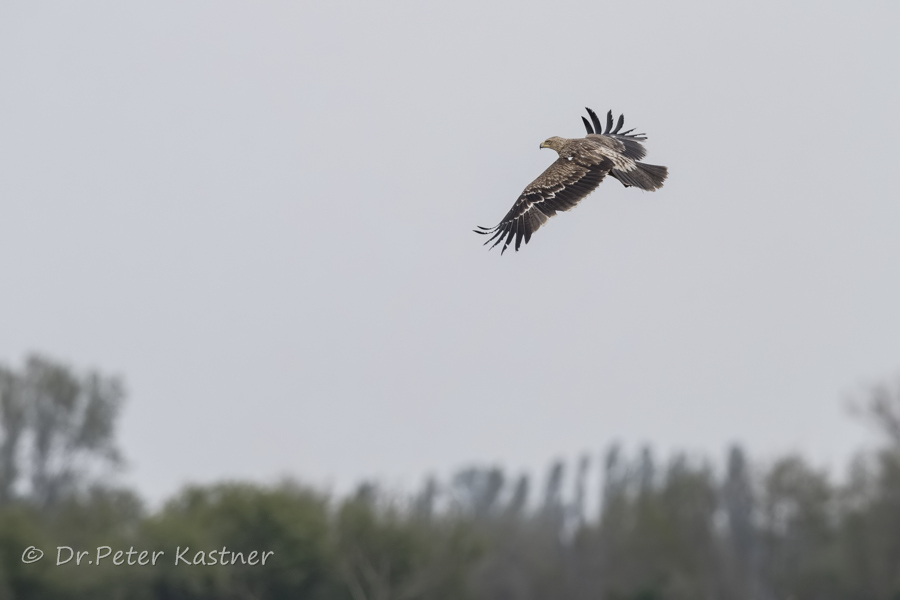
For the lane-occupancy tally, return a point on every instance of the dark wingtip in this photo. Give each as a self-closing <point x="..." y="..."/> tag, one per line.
<point x="609" y="122"/>
<point x="598" y="128"/>
<point x="587" y="126"/>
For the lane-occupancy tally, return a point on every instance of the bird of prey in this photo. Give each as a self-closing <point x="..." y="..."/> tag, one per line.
<point x="581" y="166"/>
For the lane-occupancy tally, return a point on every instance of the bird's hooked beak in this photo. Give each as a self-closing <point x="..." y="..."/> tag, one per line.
<point x="544" y="145"/>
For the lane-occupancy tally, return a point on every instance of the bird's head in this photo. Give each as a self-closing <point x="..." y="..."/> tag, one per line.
<point x="554" y="143"/>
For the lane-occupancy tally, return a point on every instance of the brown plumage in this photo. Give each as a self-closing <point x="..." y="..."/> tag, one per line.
<point x="581" y="166"/>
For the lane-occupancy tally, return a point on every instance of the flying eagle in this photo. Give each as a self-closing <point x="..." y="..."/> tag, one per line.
<point x="581" y="166"/>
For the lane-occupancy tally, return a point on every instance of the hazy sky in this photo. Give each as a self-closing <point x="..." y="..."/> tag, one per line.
<point x="260" y="215"/>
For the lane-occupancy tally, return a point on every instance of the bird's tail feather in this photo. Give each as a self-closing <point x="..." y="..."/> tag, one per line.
<point x="646" y="177"/>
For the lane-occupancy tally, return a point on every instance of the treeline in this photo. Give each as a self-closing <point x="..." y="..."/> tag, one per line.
<point x="679" y="528"/>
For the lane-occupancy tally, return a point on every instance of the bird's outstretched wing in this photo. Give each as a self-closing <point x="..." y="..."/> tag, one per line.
<point x="559" y="188"/>
<point x="633" y="148"/>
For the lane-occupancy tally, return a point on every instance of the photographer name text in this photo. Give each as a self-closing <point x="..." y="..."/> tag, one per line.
<point x="66" y="555"/>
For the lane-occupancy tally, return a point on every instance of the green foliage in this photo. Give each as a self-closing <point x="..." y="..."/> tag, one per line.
<point x="19" y="529"/>
<point x="386" y="552"/>
<point x="214" y="523"/>
<point x="96" y="517"/>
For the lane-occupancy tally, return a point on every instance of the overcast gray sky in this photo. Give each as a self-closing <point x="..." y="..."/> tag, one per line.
<point x="260" y="215"/>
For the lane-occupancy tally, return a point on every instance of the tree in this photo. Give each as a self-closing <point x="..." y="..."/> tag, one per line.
<point x="870" y="520"/>
<point x="12" y="425"/>
<point x="477" y="490"/>
<point x="742" y="545"/>
<point x="384" y="552"/>
<point x="799" y="531"/>
<point x="881" y="408"/>
<point x="519" y="500"/>
<point x="227" y="528"/>
<point x="68" y="420"/>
